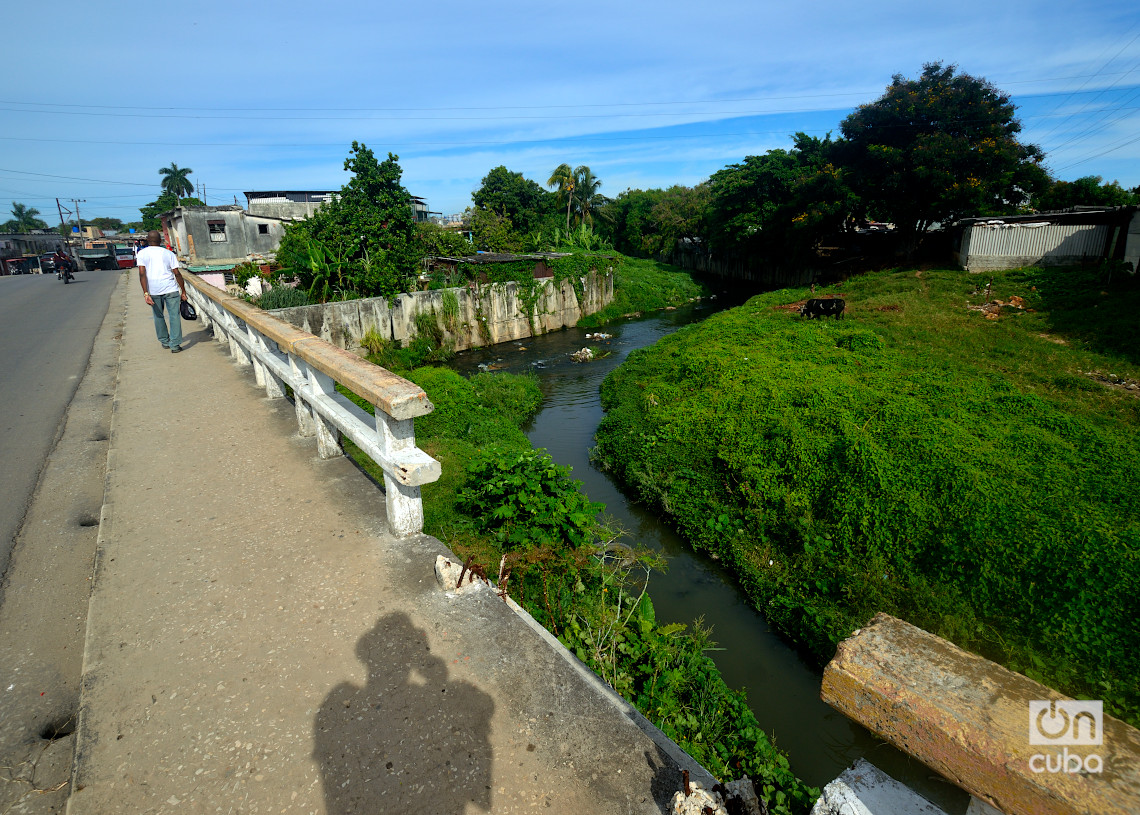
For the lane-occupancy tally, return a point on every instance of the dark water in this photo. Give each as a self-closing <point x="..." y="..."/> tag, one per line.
<point x="783" y="689"/>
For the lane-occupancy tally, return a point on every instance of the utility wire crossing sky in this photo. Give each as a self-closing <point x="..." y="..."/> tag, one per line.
<point x="648" y="95"/>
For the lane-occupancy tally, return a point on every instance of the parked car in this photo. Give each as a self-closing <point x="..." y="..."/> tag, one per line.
<point x="47" y="264"/>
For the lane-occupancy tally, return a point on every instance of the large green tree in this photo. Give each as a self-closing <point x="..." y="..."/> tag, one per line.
<point x="936" y="148"/>
<point x="24" y="219"/>
<point x="176" y="180"/>
<point x="366" y="233"/>
<point x="1087" y="191"/>
<point x="649" y="223"/>
<point x="107" y="223"/>
<point x="164" y="203"/>
<point x="775" y="208"/>
<point x="523" y="201"/>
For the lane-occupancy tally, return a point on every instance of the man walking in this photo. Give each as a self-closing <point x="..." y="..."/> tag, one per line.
<point x="163" y="289"/>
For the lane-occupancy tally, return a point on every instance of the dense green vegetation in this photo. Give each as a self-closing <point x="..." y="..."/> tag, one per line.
<point x="965" y="474"/>
<point x="644" y="285"/>
<point x="499" y="497"/>
<point x="363" y="241"/>
<point x="935" y="148"/>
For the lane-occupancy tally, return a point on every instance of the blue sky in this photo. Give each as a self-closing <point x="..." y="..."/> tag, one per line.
<point x="99" y="96"/>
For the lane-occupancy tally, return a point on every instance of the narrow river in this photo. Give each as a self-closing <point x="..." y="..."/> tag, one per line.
<point x="783" y="689"/>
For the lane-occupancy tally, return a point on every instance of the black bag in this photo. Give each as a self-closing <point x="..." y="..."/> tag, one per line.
<point x="187" y="310"/>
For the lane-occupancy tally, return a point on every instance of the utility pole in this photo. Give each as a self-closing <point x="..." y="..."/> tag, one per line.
<point x="77" y="202"/>
<point x="63" y="233"/>
<point x="203" y="193"/>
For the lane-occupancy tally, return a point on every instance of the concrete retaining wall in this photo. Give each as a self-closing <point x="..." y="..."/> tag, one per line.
<point x="487" y="314"/>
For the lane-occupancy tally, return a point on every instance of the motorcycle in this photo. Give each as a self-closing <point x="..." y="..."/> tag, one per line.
<point x="66" y="274"/>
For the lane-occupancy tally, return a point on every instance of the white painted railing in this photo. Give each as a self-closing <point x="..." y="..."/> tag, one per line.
<point x="284" y="356"/>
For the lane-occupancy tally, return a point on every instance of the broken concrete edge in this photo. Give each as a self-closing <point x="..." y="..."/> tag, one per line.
<point x="863" y="787"/>
<point x="446" y="567"/>
<point x="111" y="331"/>
<point x="392" y="394"/>
<point x="968" y="719"/>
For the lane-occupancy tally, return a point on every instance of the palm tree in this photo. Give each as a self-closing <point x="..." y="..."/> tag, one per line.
<point x="24" y="219"/>
<point x="175" y="180"/>
<point x="586" y="186"/>
<point x="563" y="178"/>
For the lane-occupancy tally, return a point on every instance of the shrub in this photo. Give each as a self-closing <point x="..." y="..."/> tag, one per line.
<point x="282" y="297"/>
<point x="526" y="501"/>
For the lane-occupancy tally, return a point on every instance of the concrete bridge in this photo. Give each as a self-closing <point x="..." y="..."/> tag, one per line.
<point x="266" y="632"/>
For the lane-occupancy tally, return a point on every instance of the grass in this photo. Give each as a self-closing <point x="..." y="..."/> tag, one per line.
<point x="644" y="285"/>
<point x="965" y="474"/>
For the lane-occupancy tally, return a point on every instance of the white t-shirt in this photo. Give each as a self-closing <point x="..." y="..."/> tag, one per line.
<point x="160" y="264"/>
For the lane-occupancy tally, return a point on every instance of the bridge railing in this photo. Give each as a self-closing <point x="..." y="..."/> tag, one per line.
<point x="282" y="356"/>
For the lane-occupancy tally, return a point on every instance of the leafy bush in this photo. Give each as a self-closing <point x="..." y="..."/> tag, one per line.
<point x="282" y="297"/>
<point x="526" y="500"/>
<point x="913" y="459"/>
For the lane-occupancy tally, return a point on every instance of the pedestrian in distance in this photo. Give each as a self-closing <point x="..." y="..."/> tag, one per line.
<point x="163" y="290"/>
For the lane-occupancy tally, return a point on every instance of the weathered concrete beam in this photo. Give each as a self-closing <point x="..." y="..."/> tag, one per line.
<point x="393" y="394"/>
<point x="969" y="719"/>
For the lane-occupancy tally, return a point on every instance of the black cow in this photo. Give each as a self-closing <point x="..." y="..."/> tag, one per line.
<point x="822" y="308"/>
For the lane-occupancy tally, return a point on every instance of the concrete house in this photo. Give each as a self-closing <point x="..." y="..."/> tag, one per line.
<point x="288" y="205"/>
<point x="292" y="205"/>
<point x="221" y="236"/>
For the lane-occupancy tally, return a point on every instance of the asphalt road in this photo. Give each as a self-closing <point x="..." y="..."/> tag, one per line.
<point x="59" y="355"/>
<point x="47" y="329"/>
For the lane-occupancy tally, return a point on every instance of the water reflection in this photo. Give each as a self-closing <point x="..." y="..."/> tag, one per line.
<point x="783" y="689"/>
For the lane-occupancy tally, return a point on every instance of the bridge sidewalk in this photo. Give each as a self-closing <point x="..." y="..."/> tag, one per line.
<point x="259" y="642"/>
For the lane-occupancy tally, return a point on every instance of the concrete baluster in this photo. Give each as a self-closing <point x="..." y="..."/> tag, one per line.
<point x="328" y="436"/>
<point x="221" y="327"/>
<point x="238" y="352"/>
<point x="405" y="509"/>
<point x="258" y="348"/>
<point x="305" y="424"/>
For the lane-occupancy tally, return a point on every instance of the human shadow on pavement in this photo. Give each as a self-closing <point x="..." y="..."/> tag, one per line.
<point x="410" y="739"/>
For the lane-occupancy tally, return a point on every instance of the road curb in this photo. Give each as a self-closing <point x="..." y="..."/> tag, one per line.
<point x="106" y="524"/>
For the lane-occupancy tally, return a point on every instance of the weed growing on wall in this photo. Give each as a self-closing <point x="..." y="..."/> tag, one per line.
<point x="965" y="474"/>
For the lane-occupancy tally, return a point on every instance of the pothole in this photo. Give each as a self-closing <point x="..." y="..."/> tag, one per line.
<point x="58" y="729"/>
<point x="99" y="437"/>
<point x="88" y="520"/>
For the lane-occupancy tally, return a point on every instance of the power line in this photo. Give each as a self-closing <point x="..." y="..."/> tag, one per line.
<point x="773" y="98"/>
<point x="482" y="142"/>
<point x="1119" y="146"/>
<point x="194" y="114"/>
<point x="1094" y="75"/>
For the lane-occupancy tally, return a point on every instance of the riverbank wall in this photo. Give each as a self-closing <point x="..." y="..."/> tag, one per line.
<point x="468" y="316"/>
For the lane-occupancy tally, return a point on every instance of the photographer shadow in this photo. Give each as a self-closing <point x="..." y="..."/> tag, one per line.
<point x="410" y="739"/>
